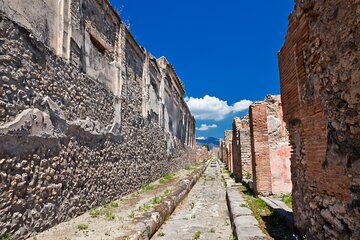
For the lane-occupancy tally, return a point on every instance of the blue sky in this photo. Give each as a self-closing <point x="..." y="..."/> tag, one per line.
<point x="224" y="51"/>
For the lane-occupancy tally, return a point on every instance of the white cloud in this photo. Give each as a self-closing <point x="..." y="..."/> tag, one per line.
<point x="213" y="108"/>
<point x="200" y="138"/>
<point x="241" y="106"/>
<point x="205" y="127"/>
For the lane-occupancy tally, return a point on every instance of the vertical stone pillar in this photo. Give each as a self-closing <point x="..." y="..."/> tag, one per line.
<point x="145" y="85"/>
<point x="228" y="149"/>
<point x="236" y="149"/>
<point x="260" y="149"/>
<point x="245" y="148"/>
<point x="67" y="30"/>
<point x="162" y="99"/>
<point x="120" y="75"/>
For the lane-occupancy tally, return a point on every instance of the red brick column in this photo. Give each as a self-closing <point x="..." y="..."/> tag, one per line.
<point x="260" y="148"/>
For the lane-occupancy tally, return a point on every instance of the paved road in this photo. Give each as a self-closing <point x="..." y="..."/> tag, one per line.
<point x="203" y="214"/>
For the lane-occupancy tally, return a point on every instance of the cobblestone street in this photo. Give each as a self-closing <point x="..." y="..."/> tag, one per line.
<point x="203" y="214"/>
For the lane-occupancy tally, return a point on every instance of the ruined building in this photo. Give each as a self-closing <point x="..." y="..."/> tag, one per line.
<point x="270" y="147"/>
<point x="87" y="115"/>
<point x="320" y="88"/>
<point x="242" y="149"/>
<point x="228" y="149"/>
<point x="202" y="154"/>
<point x="222" y="150"/>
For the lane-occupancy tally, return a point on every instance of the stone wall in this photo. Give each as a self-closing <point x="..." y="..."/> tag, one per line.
<point x="228" y="149"/>
<point x="236" y="157"/>
<point x="319" y="69"/>
<point x="214" y="152"/>
<point x="86" y="114"/>
<point x="222" y="151"/>
<point x="270" y="147"/>
<point x="279" y="145"/>
<point x="242" y="144"/>
<point x="202" y="154"/>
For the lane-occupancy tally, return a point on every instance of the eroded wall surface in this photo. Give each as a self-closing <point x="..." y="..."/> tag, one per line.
<point x="202" y="154"/>
<point x="260" y="149"/>
<point x="86" y="114"/>
<point x="270" y="147"/>
<point x="236" y="149"/>
<point x="279" y="146"/>
<point x="228" y="149"/>
<point x="242" y="144"/>
<point x="319" y="69"/>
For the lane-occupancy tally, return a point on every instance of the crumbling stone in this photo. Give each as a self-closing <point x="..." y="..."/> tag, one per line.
<point x="242" y="149"/>
<point x="320" y="92"/>
<point x="270" y="147"/>
<point x="73" y="130"/>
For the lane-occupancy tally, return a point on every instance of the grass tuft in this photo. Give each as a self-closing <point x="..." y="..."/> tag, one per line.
<point x="82" y="227"/>
<point x="6" y="237"/>
<point x="197" y="235"/>
<point x="286" y="198"/>
<point x="114" y="204"/>
<point x="166" y="178"/>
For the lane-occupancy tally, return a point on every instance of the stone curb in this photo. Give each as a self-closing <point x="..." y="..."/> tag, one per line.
<point x="244" y="224"/>
<point x="150" y="222"/>
<point x="284" y="211"/>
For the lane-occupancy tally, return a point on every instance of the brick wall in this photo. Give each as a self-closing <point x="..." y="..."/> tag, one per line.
<point x="260" y="148"/>
<point x="270" y="147"/>
<point x="319" y="69"/>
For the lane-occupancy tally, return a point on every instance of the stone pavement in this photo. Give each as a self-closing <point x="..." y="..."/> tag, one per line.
<point x="121" y="219"/>
<point x="245" y="225"/>
<point x="203" y="214"/>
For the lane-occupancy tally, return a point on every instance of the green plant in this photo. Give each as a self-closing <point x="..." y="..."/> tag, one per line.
<point x="167" y="193"/>
<point x="248" y="176"/>
<point x="197" y="235"/>
<point x="82" y="227"/>
<point x="286" y="198"/>
<point x="193" y="167"/>
<point x="114" y="204"/>
<point x="144" y="207"/>
<point x="132" y="214"/>
<point x="161" y="234"/>
<point x="166" y="178"/>
<point x="156" y="200"/>
<point x="6" y="237"/>
<point x="207" y="147"/>
<point x="146" y="188"/>
<point x="109" y="216"/>
<point x="105" y="211"/>
<point x="95" y="212"/>
<point x="269" y="221"/>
